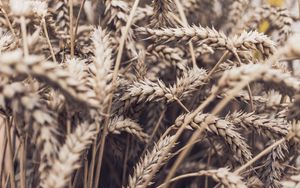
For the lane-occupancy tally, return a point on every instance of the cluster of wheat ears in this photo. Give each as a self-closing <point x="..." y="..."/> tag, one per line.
<point x="162" y="93"/>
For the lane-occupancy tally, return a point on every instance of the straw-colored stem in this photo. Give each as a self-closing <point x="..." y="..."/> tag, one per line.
<point x="178" y="134"/>
<point x="181" y="104"/>
<point x="86" y="171"/>
<point x="4" y="146"/>
<point x="299" y="8"/>
<point x="185" y="22"/>
<point x="181" y="177"/>
<point x="8" y="22"/>
<point x="23" y="162"/>
<point x="154" y="131"/>
<point x="77" y="19"/>
<point x="125" y="160"/>
<point x="10" y="154"/>
<point x="115" y="75"/>
<point x="258" y="156"/>
<point x="71" y="27"/>
<point x="48" y="40"/>
<point x="24" y="35"/>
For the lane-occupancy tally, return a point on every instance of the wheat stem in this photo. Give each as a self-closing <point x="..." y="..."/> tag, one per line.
<point x="125" y="160"/>
<point x="198" y="133"/>
<point x="115" y="74"/>
<point x="71" y="27"/>
<point x="179" y="132"/>
<point x="258" y="156"/>
<point x="3" y="153"/>
<point x="221" y="60"/>
<point x="24" y="36"/>
<point x="181" y="104"/>
<point x="299" y="8"/>
<point x="154" y="131"/>
<point x="23" y="163"/>
<point x="77" y="19"/>
<point x="10" y="153"/>
<point x="185" y="22"/>
<point x="8" y="21"/>
<point x="48" y="40"/>
<point x="86" y="172"/>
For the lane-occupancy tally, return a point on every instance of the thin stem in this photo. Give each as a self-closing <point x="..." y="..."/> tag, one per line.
<point x="185" y="22"/>
<point x="183" y="154"/>
<point x="178" y="134"/>
<point x="23" y="162"/>
<point x="199" y="131"/>
<point x="185" y="146"/>
<point x="71" y="27"/>
<point x="261" y="154"/>
<point x="86" y="169"/>
<point x="115" y="75"/>
<point x="77" y="19"/>
<point x="208" y="164"/>
<point x="77" y="175"/>
<point x="299" y="8"/>
<point x="10" y="154"/>
<point x="8" y="22"/>
<point x="24" y="35"/>
<point x="181" y="177"/>
<point x="92" y="165"/>
<point x="48" y="40"/>
<point x="250" y="97"/>
<point x="3" y="155"/>
<point x="182" y="105"/>
<point x="221" y="60"/>
<point x="154" y="131"/>
<point x="125" y="160"/>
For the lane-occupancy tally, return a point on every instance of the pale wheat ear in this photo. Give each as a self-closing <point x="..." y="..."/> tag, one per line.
<point x="6" y="39"/>
<point x="162" y="13"/>
<point x="118" y="98"/>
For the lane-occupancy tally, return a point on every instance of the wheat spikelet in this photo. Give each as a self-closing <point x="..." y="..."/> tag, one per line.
<point x="254" y="40"/>
<point x="48" y="72"/>
<point x="61" y="19"/>
<point x="192" y="9"/>
<point x="221" y="128"/>
<point x="65" y="77"/>
<point x="142" y="14"/>
<point x="170" y="56"/>
<point x="259" y="72"/>
<point x="69" y="155"/>
<point x="237" y="8"/>
<point x="213" y="38"/>
<point x="188" y="83"/>
<point x="149" y="162"/>
<point x="279" y="17"/>
<point x="147" y="90"/>
<point x="121" y="124"/>
<point x="102" y="64"/>
<point x="260" y="123"/>
<point x="28" y="109"/>
<point x="223" y="176"/>
<point x="162" y="13"/>
<point x="273" y="166"/>
<point x="199" y="34"/>
<point x="293" y="181"/>
<point x="6" y="39"/>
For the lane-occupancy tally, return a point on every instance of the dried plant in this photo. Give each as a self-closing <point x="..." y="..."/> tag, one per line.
<point x="149" y="93"/>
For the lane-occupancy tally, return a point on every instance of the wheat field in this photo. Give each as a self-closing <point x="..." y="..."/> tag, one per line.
<point x="149" y="93"/>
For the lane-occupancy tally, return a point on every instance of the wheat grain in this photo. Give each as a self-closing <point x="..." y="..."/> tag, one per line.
<point x="223" y="129"/>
